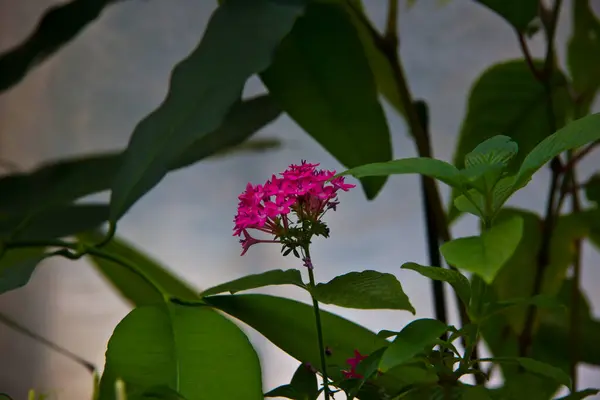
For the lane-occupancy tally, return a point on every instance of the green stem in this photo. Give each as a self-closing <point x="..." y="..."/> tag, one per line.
<point x="311" y="277"/>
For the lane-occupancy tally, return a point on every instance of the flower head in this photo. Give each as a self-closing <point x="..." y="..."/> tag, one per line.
<point x="353" y="362"/>
<point x="289" y="207"/>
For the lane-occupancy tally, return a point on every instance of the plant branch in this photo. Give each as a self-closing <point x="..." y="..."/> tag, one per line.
<point x="528" y="58"/>
<point x="311" y="277"/>
<point x="570" y="164"/>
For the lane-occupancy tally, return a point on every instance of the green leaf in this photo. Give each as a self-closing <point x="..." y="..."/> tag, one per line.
<point x="576" y="134"/>
<point x="133" y="288"/>
<point x="475" y="393"/>
<point x="592" y="189"/>
<point x="274" y="277"/>
<point x="580" y="395"/>
<point x="458" y="281"/>
<point x="305" y="382"/>
<point x="364" y="290"/>
<point x="518" y="13"/>
<point x="239" y="41"/>
<point x="55" y="222"/>
<point x="187" y="349"/>
<point x="322" y="79"/>
<point x="583" y="54"/>
<point x="485" y="255"/>
<point x="540" y="301"/>
<point x="250" y="146"/>
<point x="412" y="340"/>
<point x="508" y="100"/>
<point x="57" y="27"/>
<point x="160" y="392"/>
<point x="536" y="367"/>
<point x="431" y="167"/>
<point x="17" y="266"/>
<point x="290" y="325"/>
<point x="286" y="391"/>
<point x="70" y="179"/>
<point x="498" y="149"/>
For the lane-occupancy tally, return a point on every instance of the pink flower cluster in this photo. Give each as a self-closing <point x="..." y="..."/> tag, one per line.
<point x="301" y="190"/>
<point x="353" y="362"/>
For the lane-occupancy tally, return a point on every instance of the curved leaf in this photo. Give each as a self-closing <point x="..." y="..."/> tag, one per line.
<point x="458" y="281"/>
<point x="239" y="41"/>
<point x="274" y="277"/>
<point x="187" y="349"/>
<point x="322" y="79"/>
<point x="431" y="167"/>
<point x="518" y="13"/>
<point x="364" y="290"/>
<point x="536" y="367"/>
<point x="17" y="266"/>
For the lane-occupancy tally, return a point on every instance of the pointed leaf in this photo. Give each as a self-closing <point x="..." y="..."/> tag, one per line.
<point x="17" y="266"/>
<point x="285" y="391"/>
<point x="484" y="255"/>
<point x="322" y="79"/>
<point x="518" y="13"/>
<point x="364" y="290"/>
<point x="495" y="150"/>
<point x="70" y="179"/>
<point x="130" y="285"/>
<point x="305" y="382"/>
<point x="457" y="280"/>
<point x="274" y="277"/>
<point x="239" y="41"/>
<point x="411" y="340"/>
<point x="431" y="167"/>
<point x="536" y="367"/>
<point x="187" y="349"/>
<point x="580" y="395"/>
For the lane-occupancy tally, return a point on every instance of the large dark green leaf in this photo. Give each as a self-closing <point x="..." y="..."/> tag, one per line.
<point x="304" y="385"/>
<point x="290" y="325"/>
<point x="274" y="277"/>
<point x="323" y="80"/>
<point x="364" y="290"/>
<point x="17" y="265"/>
<point x="508" y="100"/>
<point x="518" y="13"/>
<point x="458" y="281"/>
<point x="239" y="41"/>
<point x="59" y="25"/>
<point x="67" y="180"/>
<point x="583" y="55"/>
<point x="486" y="254"/>
<point x="187" y="349"/>
<point x="136" y="290"/>
<point x="55" y="222"/>
<point x="536" y="367"/>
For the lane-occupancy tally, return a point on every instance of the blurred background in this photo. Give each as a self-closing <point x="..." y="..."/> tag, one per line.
<point x="90" y="95"/>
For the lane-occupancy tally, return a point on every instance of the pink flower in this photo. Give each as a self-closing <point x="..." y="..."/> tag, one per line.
<point x="297" y="199"/>
<point x="353" y="362"/>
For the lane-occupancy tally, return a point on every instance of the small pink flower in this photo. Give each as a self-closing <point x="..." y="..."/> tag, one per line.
<point x="353" y="362"/>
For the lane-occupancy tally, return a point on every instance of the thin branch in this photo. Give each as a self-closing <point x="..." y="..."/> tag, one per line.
<point x="528" y="58"/>
<point x="570" y="164"/>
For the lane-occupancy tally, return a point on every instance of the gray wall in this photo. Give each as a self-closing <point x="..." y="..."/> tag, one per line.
<point x="89" y="97"/>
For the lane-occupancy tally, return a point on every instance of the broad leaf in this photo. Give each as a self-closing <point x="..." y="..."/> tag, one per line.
<point x="540" y="301"/>
<point x="187" y="349"/>
<point x="160" y="392"/>
<point x="290" y="325"/>
<point x="498" y="149"/>
<point x="518" y="13"/>
<point x="576" y="134"/>
<point x="580" y="395"/>
<point x="17" y="266"/>
<point x="475" y="393"/>
<point x="458" y="281"/>
<point x="55" y="222"/>
<point x="285" y="391"/>
<point x="305" y="381"/>
<point x="536" y="367"/>
<point x="58" y="26"/>
<point x="412" y="340"/>
<point x="485" y="255"/>
<point x="364" y="290"/>
<point x="431" y="167"/>
<point x="322" y="79"/>
<point x="583" y="53"/>
<point x="239" y="41"/>
<point x="274" y="277"/>
<point x="70" y="179"/>
<point x="136" y="290"/>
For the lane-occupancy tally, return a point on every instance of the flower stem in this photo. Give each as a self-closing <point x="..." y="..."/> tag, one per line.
<point x="311" y="277"/>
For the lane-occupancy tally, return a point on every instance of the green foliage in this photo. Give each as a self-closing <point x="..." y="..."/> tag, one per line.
<point x="322" y="79"/>
<point x="202" y="90"/>
<point x="485" y="255"/>
<point x="273" y="277"/>
<point x="192" y="348"/>
<point x="17" y="266"/>
<point x="592" y="189"/>
<point x="536" y="367"/>
<point x="518" y="13"/>
<point x="302" y="387"/>
<point x="457" y="280"/>
<point x="365" y="290"/>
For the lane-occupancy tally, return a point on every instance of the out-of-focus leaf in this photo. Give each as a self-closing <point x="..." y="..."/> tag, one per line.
<point x="458" y="281"/>
<point x="518" y="13"/>
<point x="239" y="41"/>
<point x="70" y="179"/>
<point x="592" y="189"/>
<point x="58" y="26"/>
<point x="274" y="277"/>
<point x="364" y="290"/>
<point x="17" y="266"/>
<point x="136" y="290"/>
<point x="536" y="367"/>
<point x="580" y="395"/>
<point x="251" y="146"/>
<point x="583" y="54"/>
<point x="186" y="349"/>
<point x="322" y="79"/>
